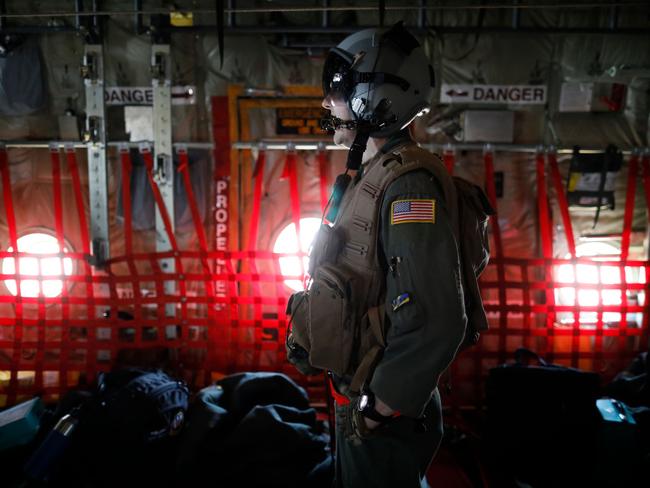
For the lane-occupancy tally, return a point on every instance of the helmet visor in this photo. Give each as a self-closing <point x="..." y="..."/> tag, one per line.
<point x="336" y="74"/>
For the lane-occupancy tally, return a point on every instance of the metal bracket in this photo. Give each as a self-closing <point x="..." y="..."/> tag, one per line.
<point x="95" y="138"/>
<point x="163" y="162"/>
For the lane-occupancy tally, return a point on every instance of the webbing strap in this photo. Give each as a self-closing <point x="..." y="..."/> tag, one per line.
<point x="560" y="191"/>
<point x="323" y="177"/>
<point x="71" y="158"/>
<point x="449" y="158"/>
<point x="8" y="199"/>
<point x="148" y="161"/>
<point x="645" y="163"/>
<point x="291" y="172"/>
<point x="58" y="226"/>
<point x="562" y="201"/>
<point x="372" y="356"/>
<point x="258" y="176"/>
<point x="633" y="171"/>
<point x="546" y="234"/>
<point x="13" y="239"/>
<point x="258" y="311"/>
<point x="488" y="159"/>
<point x="184" y="169"/>
<point x="542" y="209"/>
<point x="125" y="159"/>
<point x="339" y="398"/>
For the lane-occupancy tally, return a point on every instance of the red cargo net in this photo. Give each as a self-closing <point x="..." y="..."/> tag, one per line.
<point x="229" y="307"/>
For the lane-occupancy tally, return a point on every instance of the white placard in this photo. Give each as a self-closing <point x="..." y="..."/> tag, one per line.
<point x="576" y="97"/>
<point x="494" y="94"/>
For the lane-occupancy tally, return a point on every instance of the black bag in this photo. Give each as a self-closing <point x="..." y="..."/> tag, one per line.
<point x="127" y="432"/>
<point x="141" y="405"/>
<point x="536" y="410"/>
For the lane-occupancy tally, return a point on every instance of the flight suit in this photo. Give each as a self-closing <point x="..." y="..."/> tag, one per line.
<point x="421" y="263"/>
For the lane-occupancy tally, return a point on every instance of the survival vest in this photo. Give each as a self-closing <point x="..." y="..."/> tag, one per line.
<point x="340" y="320"/>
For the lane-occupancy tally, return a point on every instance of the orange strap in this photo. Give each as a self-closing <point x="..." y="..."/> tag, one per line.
<point x="339" y="398"/>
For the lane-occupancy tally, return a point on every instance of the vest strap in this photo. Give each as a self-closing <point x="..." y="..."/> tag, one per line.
<point x="369" y="361"/>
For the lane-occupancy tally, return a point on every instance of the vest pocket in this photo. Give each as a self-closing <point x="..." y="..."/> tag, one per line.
<point x="330" y="320"/>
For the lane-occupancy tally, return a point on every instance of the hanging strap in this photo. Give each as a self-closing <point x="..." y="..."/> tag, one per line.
<point x="542" y="208"/>
<point x="645" y="163"/>
<point x="58" y="204"/>
<point x="13" y="239"/>
<point x="369" y="361"/>
<point x="488" y="159"/>
<point x="125" y="159"/>
<point x="8" y="200"/>
<point x="184" y="170"/>
<point x="449" y="158"/>
<point x="290" y="171"/>
<point x="323" y="177"/>
<point x="258" y="176"/>
<point x="633" y="170"/>
<point x="563" y="203"/>
<point x="58" y="221"/>
<point x="71" y="158"/>
<point x="546" y="234"/>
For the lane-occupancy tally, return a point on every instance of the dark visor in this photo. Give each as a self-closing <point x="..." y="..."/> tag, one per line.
<point x="336" y="74"/>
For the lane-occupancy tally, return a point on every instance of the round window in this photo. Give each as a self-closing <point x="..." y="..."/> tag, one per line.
<point x="45" y="261"/>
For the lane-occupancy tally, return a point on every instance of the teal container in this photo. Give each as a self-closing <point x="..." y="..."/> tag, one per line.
<point x="19" y="424"/>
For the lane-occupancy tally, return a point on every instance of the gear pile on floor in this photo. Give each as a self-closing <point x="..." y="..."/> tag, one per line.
<point x="143" y="428"/>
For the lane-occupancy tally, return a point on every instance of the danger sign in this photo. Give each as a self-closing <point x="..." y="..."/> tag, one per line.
<point x="143" y="95"/>
<point x="494" y="94"/>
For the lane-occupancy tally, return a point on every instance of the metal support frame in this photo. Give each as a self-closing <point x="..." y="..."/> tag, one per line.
<point x="163" y="152"/>
<point x="272" y="145"/>
<point x="320" y="145"/>
<point x="78" y="144"/>
<point x="95" y="140"/>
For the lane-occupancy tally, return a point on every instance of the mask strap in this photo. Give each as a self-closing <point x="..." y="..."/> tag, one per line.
<point x="356" y="151"/>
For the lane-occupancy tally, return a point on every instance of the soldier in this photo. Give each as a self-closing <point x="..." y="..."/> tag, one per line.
<point x="385" y="312"/>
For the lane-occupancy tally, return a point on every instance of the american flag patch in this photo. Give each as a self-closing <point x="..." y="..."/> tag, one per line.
<point x="413" y="211"/>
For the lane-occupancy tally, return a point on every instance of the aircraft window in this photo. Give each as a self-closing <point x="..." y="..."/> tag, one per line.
<point x="287" y="242"/>
<point x="589" y="274"/>
<point x="49" y="265"/>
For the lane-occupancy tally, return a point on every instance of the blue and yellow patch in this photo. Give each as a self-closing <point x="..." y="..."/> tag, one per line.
<point x="400" y="301"/>
<point x="413" y="211"/>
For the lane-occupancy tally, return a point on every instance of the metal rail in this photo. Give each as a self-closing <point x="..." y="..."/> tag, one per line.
<point x="327" y="145"/>
<point x="82" y="145"/>
<point x="330" y="8"/>
<point x="463" y="146"/>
